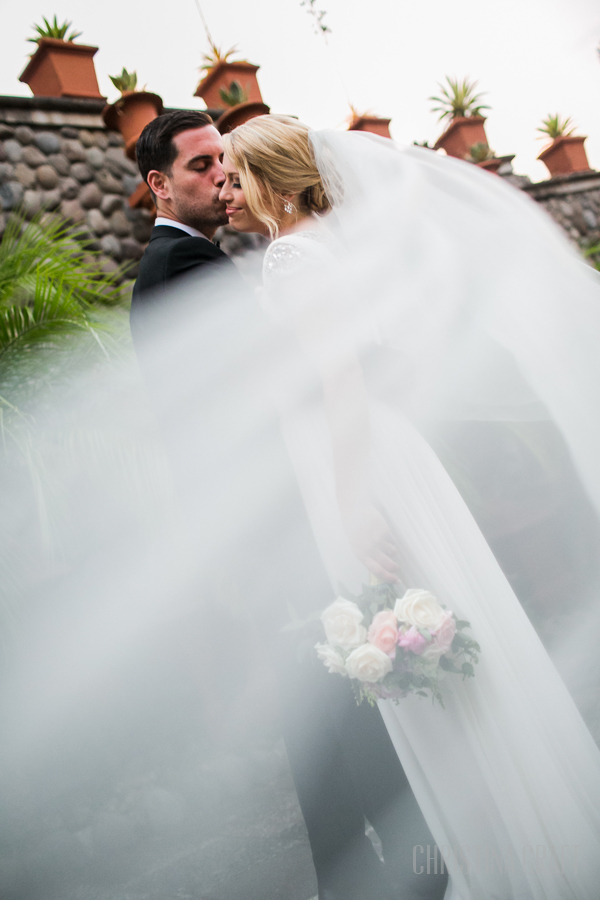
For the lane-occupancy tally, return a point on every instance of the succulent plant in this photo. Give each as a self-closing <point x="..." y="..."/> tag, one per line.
<point x="126" y="81"/>
<point x="555" y="126"/>
<point x="215" y="56"/>
<point x="479" y="153"/>
<point x="54" y="30"/>
<point x="458" y="99"/>
<point x="234" y="96"/>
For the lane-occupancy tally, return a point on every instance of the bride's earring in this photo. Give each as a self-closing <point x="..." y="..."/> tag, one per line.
<point x="288" y="207"/>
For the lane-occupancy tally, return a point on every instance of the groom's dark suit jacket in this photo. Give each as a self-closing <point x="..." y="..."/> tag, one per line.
<point x="171" y="254"/>
<point x="343" y="763"/>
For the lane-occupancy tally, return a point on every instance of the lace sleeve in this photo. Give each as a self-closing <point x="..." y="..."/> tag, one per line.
<point x="282" y="260"/>
<point x="305" y="253"/>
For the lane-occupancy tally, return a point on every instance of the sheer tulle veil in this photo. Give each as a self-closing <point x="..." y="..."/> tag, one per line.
<point x="475" y="318"/>
<point x="124" y="504"/>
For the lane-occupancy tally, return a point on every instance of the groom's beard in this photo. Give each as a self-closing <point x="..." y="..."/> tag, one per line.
<point x="209" y="213"/>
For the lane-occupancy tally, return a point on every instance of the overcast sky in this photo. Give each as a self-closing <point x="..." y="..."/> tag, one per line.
<point x="533" y="57"/>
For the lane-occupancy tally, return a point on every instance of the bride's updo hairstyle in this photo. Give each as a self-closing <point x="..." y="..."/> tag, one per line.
<point x="273" y="157"/>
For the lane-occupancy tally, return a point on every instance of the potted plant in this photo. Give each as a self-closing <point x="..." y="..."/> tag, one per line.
<point x="459" y="103"/>
<point x="481" y="155"/>
<point x="132" y="111"/>
<point x="368" y="121"/>
<point x="60" y="67"/>
<point x="239" y="108"/>
<point x="566" y="153"/>
<point x="233" y="79"/>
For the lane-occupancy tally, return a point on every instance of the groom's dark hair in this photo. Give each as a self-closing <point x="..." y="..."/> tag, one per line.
<point x="155" y="148"/>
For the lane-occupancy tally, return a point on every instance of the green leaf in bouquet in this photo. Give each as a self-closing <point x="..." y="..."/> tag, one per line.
<point x="448" y="665"/>
<point x="460" y="642"/>
<point x="374" y="607"/>
<point x="425" y="632"/>
<point x="462" y="623"/>
<point x="467" y="670"/>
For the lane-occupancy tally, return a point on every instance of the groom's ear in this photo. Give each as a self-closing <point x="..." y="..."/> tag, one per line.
<point x="158" y="183"/>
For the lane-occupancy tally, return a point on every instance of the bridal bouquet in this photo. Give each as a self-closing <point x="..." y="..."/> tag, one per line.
<point x="392" y="646"/>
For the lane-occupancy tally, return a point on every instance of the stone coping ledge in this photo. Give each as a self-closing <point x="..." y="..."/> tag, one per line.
<point x="76" y="112"/>
<point x="576" y="183"/>
<point x="54" y="104"/>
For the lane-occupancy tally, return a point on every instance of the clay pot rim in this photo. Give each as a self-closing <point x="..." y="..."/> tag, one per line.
<point x="215" y="72"/>
<point x="559" y="141"/>
<point x="493" y="160"/>
<point x="231" y="114"/>
<point x="46" y="44"/>
<point x="354" y="125"/>
<point x="112" y="111"/>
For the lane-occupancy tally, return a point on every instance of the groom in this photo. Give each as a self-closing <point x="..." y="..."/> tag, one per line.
<point x="344" y="766"/>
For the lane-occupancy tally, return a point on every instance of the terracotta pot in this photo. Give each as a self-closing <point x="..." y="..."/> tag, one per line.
<point x="130" y="115"/>
<point x="62" y="69"/>
<point x="490" y="165"/>
<point x="222" y="77"/>
<point x="565" y="155"/>
<point x="142" y="198"/>
<point x="239" y="114"/>
<point x="373" y="124"/>
<point x="495" y="163"/>
<point x="462" y="134"/>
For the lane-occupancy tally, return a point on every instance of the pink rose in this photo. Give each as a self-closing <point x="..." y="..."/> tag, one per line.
<point x="383" y="632"/>
<point x="444" y="633"/>
<point x="412" y="640"/>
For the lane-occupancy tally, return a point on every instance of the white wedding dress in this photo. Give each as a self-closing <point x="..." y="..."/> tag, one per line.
<point x="507" y="775"/>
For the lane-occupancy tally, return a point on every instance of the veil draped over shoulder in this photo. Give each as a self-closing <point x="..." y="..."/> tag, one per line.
<point x="477" y="327"/>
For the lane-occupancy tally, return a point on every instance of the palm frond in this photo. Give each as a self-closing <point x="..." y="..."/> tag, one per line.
<point x="57" y="250"/>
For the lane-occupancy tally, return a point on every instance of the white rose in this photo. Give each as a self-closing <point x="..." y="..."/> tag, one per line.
<point x="333" y="660"/>
<point x="368" y="663"/>
<point x="419" y="608"/>
<point x="342" y="624"/>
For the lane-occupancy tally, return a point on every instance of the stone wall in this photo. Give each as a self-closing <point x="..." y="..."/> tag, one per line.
<point x="57" y="155"/>
<point x="574" y="202"/>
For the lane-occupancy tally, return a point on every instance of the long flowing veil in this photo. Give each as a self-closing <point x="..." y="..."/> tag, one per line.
<point x="478" y="325"/>
<point x="140" y="514"/>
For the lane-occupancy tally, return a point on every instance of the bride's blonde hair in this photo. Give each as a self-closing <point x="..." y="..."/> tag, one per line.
<point x="273" y="157"/>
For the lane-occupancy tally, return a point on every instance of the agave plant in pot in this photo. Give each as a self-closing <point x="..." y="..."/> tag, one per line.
<point x="132" y="111"/>
<point x="231" y="86"/>
<point x="227" y="82"/>
<point x="60" y="67"/>
<point x="460" y="105"/>
<point x="566" y="153"/>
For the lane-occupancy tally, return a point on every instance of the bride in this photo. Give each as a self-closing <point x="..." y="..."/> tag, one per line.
<point x="413" y="290"/>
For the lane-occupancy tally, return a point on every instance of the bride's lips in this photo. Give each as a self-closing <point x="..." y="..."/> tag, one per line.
<point x="232" y="210"/>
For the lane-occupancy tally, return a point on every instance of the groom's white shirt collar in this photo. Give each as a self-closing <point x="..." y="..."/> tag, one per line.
<point x="172" y="223"/>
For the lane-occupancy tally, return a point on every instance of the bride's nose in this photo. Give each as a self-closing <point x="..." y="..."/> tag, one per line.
<point x="225" y="192"/>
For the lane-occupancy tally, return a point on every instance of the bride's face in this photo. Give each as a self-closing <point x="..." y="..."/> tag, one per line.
<point x="237" y="210"/>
